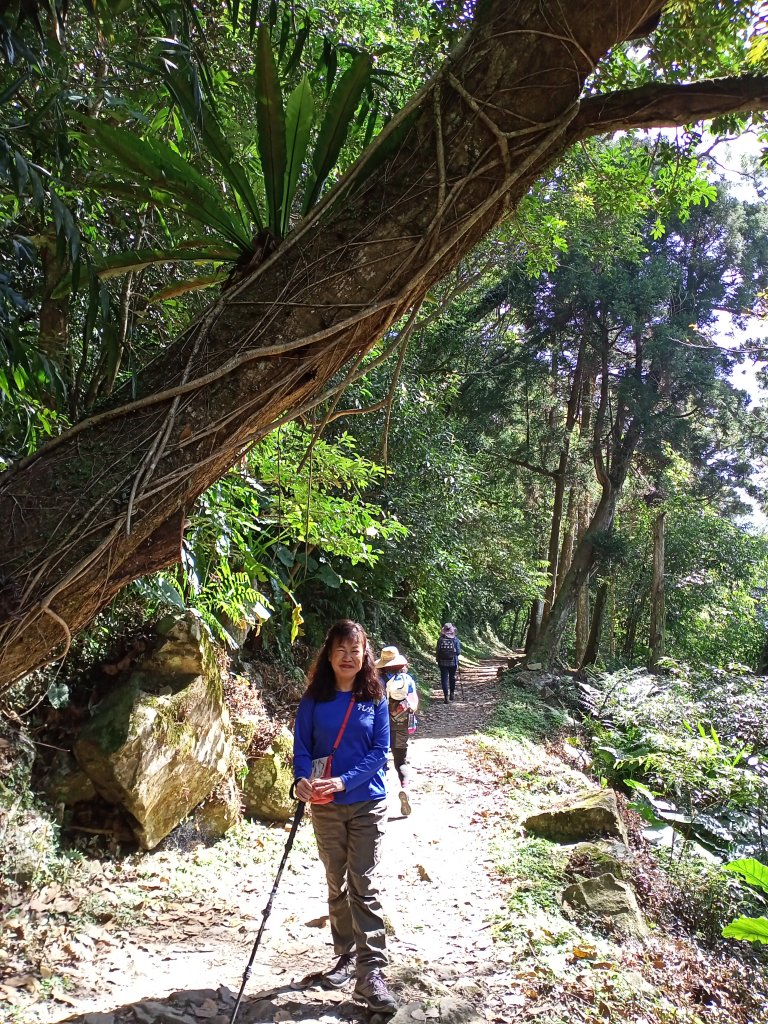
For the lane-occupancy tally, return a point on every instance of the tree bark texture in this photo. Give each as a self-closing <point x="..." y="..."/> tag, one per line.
<point x="566" y="551"/>
<point x="53" y="334"/>
<point x="596" y="628"/>
<point x="634" y="617"/>
<point x="658" y="617"/>
<point x="582" y="595"/>
<point x="106" y="502"/>
<point x="534" y="623"/>
<point x="572" y="411"/>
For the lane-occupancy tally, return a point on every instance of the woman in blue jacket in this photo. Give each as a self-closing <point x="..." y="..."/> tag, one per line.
<point x="349" y="807"/>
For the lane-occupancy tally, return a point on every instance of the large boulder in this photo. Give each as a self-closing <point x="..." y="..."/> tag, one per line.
<point x="610" y="901"/>
<point x="160" y="743"/>
<point x="595" y="814"/>
<point x="266" y="786"/>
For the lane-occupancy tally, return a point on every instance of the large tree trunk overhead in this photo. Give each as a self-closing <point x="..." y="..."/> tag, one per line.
<point x="107" y="501"/>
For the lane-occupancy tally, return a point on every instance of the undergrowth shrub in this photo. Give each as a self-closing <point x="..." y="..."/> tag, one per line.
<point x="523" y="715"/>
<point x="29" y="835"/>
<point x="691" y="744"/>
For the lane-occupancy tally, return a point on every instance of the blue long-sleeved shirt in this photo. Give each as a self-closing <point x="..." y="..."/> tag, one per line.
<point x="362" y="755"/>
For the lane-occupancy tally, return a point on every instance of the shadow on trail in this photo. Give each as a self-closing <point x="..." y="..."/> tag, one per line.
<point x="215" y="1006"/>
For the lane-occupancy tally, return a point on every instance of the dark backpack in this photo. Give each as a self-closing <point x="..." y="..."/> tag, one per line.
<point x="446" y="651"/>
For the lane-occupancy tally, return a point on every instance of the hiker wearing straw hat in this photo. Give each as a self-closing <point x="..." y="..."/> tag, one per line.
<point x="403" y="699"/>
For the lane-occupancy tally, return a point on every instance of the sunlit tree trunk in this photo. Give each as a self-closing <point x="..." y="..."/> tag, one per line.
<point x="582" y="597"/>
<point x="534" y="623"/>
<point x="632" y="624"/>
<point x="566" y="551"/>
<point x="561" y="476"/>
<point x="612" y="459"/>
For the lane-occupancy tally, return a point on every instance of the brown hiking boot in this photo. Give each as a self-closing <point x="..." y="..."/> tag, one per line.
<point x="372" y="990"/>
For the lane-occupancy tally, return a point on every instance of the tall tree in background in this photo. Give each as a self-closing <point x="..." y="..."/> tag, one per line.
<point x="271" y="346"/>
<point x="648" y="381"/>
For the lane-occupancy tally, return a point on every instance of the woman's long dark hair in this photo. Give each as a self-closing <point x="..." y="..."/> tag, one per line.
<point x="322" y="679"/>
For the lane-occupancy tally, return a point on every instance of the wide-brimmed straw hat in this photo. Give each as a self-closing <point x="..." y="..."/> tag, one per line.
<point x="448" y="629"/>
<point x="390" y="657"/>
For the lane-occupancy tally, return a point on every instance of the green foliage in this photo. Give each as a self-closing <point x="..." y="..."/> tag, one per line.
<point x="535" y="870"/>
<point x="715" y="573"/>
<point x="751" y="871"/>
<point x="223" y="131"/>
<point x="662" y="741"/>
<point x="273" y="529"/>
<point x="522" y="715"/>
<point x="749" y="929"/>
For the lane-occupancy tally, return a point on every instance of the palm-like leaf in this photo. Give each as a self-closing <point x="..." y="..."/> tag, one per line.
<point x="271" y="125"/>
<point x="139" y="259"/>
<point x="158" y="165"/>
<point x="194" y="284"/>
<point x="131" y="260"/>
<point x="299" y="111"/>
<point x="217" y="147"/>
<point x="338" y="117"/>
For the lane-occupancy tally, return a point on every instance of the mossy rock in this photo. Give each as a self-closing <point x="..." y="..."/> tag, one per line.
<point x="266" y="786"/>
<point x="611" y="901"/>
<point x="160" y="743"/>
<point x="70" y="787"/>
<point x="595" y="814"/>
<point x="244" y="728"/>
<point x="604" y="857"/>
<point x="219" y="812"/>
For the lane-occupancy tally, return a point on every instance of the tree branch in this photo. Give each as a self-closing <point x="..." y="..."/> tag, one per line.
<point x="541" y="470"/>
<point x="669" y="106"/>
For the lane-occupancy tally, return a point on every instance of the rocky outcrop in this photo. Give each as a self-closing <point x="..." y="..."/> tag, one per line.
<point x="159" y="744"/>
<point x="266" y="786"/>
<point x="611" y="901"/>
<point x="595" y="814"/>
<point x="605" y="894"/>
<point x="70" y="787"/>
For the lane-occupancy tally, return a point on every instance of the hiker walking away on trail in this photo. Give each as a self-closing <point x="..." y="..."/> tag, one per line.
<point x="403" y="699"/>
<point x="447" y="655"/>
<point x="343" y="713"/>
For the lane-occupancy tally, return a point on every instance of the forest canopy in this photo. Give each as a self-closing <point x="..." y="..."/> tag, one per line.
<point x="230" y="230"/>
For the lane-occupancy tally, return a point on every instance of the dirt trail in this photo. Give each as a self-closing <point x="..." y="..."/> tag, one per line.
<point x="438" y="892"/>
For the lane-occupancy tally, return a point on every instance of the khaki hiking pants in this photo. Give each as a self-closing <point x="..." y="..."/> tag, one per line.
<point x="349" y="842"/>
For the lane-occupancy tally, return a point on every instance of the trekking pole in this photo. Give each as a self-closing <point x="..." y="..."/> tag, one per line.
<point x="267" y="910"/>
<point x="461" y="683"/>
